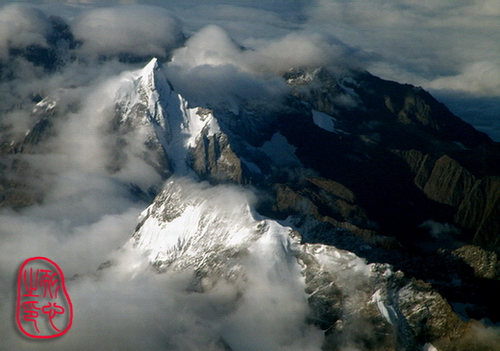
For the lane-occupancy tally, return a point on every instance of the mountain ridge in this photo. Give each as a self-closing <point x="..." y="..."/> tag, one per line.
<point x="282" y="125"/>
<point x="334" y="166"/>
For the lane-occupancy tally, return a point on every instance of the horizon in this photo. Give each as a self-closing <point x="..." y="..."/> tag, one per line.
<point x="449" y="48"/>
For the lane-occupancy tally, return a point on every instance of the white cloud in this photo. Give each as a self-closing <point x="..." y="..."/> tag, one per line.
<point x="209" y="46"/>
<point x="213" y="67"/>
<point x="301" y="49"/>
<point x="21" y="26"/>
<point x="415" y="41"/>
<point x="481" y="78"/>
<point x="140" y="30"/>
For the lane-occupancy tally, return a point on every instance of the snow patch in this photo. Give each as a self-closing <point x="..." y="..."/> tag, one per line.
<point x="323" y="121"/>
<point x="196" y="122"/>
<point x="280" y="151"/>
<point x="385" y="310"/>
<point x="429" y="347"/>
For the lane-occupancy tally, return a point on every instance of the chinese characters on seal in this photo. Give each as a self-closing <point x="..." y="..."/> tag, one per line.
<point x="43" y="308"/>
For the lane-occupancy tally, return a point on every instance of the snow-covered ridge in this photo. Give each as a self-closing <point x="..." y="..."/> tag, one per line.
<point x="158" y="118"/>
<point x="213" y="231"/>
<point x="150" y="89"/>
<point x="190" y="221"/>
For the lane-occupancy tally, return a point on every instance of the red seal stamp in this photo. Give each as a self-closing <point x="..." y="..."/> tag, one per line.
<point x="43" y="308"/>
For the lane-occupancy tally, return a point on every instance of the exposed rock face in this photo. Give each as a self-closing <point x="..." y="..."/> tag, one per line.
<point x="421" y="133"/>
<point x="485" y="263"/>
<point x="15" y="170"/>
<point x="475" y="200"/>
<point x="325" y="200"/>
<point x="428" y="120"/>
<point x="448" y="182"/>
<point x="213" y="159"/>
<point x="479" y="213"/>
<point x="420" y="163"/>
<point x="430" y="317"/>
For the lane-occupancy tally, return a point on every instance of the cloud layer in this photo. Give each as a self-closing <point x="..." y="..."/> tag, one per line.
<point x="447" y="47"/>
<point x="20" y="27"/>
<point x="140" y="30"/>
<point x="426" y="41"/>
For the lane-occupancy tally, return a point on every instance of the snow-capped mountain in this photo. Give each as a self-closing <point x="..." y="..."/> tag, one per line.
<point x="214" y="232"/>
<point x="345" y="197"/>
<point x="294" y="154"/>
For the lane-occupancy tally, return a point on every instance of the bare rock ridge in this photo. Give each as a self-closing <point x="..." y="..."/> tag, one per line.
<point x="408" y="160"/>
<point x="430" y="145"/>
<point x="475" y="199"/>
<point x="402" y="158"/>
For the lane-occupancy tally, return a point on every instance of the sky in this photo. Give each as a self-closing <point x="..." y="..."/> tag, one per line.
<point x="233" y="48"/>
<point x="449" y="47"/>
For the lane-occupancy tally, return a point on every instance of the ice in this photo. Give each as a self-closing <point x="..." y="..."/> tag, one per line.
<point x="429" y="347"/>
<point x="323" y="121"/>
<point x="280" y="151"/>
<point x="385" y="310"/>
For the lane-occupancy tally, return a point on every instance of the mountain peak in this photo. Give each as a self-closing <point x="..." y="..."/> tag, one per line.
<point x="158" y="121"/>
<point x="152" y="67"/>
<point x="345" y="162"/>
<point x="152" y="77"/>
